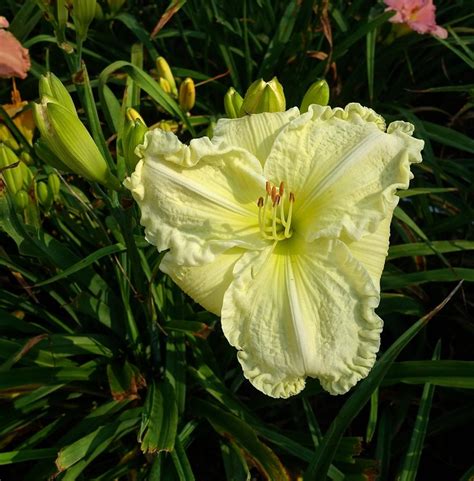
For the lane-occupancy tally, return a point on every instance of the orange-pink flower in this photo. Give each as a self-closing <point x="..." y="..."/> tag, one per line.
<point x="14" y="59"/>
<point x="419" y="15"/>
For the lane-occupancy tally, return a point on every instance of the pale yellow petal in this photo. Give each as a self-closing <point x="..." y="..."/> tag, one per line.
<point x="343" y="168"/>
<point x="302" y="310"/>
<point x="254" y="133"/>
<point x="197" y="201"/>
<point x="206" y="284"/>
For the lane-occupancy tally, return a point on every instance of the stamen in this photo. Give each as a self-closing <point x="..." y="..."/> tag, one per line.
<point x="274" y="225"/>
<point x="260" y="202"/>
<point x="282" y="189"/>
<point x="274" y="191"/>
<point x="268" y="188"/>
<point x="290" y="211"/>
<point x="276" y="200"/>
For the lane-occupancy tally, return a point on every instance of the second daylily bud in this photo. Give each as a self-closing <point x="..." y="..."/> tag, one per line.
<point x="164" y="71"/>
<point x="187" y="94"/>
<point x="133" y="135"/>
<point x="165" y="85"/>
<point x="54" y="185"/>
<point x="264" y="96"/>
<point x="51" y="86"/>
<point x="44" y="194"/>
<point x="232" y="103"/>
<point x="7" y="138"/>
<point x="13" y="175"/>
<point x="65" y="135"/>
<point x="21" y="200"/>
<point x="318" y="93"/>
<point x="83" y="12"/>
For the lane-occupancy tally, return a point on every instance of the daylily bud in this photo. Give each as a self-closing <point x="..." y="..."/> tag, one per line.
<point x="21" y="200"/>
<point x="26" y="158"/>
<point x="52" y="87"/>
<point x="318" y="93"/>
<point x="115" y="5"/>
<point x="13" y="175"/>
<point x="232" y="103"/>
<point x="44" y="195"/>
<point x="264" y="96"/>
<point x="187" y="94"/>
<point x="69" y="140"/>
<point x="62" y="14"/>
<point x="165" y="85"/>
<point x="83" y="12"/>
<point x="134" y="132"/>
<point x="54" y="185"/>
<point x="48" y="157"/>
<point x="7" y="138"/>
<point x="164" y="71"/>
<point x="27" y="175"/>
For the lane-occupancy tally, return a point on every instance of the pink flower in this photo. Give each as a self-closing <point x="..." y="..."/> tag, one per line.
<point x="419" y="15"/>
<point x="14" y="59"/>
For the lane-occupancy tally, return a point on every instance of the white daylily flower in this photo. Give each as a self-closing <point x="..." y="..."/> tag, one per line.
<point x="280" y="224"/>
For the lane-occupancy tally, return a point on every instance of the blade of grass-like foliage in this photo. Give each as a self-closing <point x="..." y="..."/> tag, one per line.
<point x="458" y="374"/>
<point x="423" y="249"/>
<point x="370" y="42"/>
<point x="384" y="444"/>
<point x="26" y="376"/>
<point x="409" y="468"/>
<point x="23" y="455"/>
<point x="399" y="281"/>
<point x="235" y="466"/>
<point x="74" y="458"/>
<point x="26" y="19"/>
<point x="181" y="462"/>
<point x="468" y="475"/>
<point x="373" y="415"/>
<point x="83" y="263"/>
<point x="313" y="425"/>
<point x="176" y="368"/>
<point x="466" y="58"/>
<point x="231" y="426"/>
<point x="131" y="23"/>
<point x="280" y="39"/>
<point x="449" y="137"/>
<point x="159" y="419"/>
<point x="319" y="466"/>
<point x="424" y="190"/>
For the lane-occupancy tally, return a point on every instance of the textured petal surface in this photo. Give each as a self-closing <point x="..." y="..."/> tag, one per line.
<point x="206" y="284"/>
<point x="372" y="249"/>
<point x="14" y="59"/>
<point x="343" y="168"/>
<point x="254" y="133"/>
<point x="302" y="310"/>
<point x="197" y="201"/>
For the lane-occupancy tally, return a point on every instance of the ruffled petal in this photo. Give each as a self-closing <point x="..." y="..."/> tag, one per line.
<point x="206" y="284"/>
<point x="254" y="133"/>
<point x="344" y="169"/>
<point x="301" y="310"/>
<point x="197" y="200"/>
<point x="372" y="249"/>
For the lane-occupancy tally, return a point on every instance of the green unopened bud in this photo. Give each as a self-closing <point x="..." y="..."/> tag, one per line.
<point x="133" y="135"/>
<point x="164" y="71"/>
<point x="54" y="185"/>
<point x="232" y="103"/>
<point x="26" y="158"/>
<point x="318" y="93"/>
<point x="44" y="194"/>
<point x="13" y="176"/>
<point x="62" y="14"/>
<point x="7" y="138"/>
<point x="115" y="5"/>
<point x="48" y="157"/>
<point x="27" y="175"/>
<point x="264" y="96"/>
<point x="52" y="87"/>
<point x="83" y="12"/>
<point x="187" y="94"/>
<point x="21" y="200"/>
<point x="69" y="140"/>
